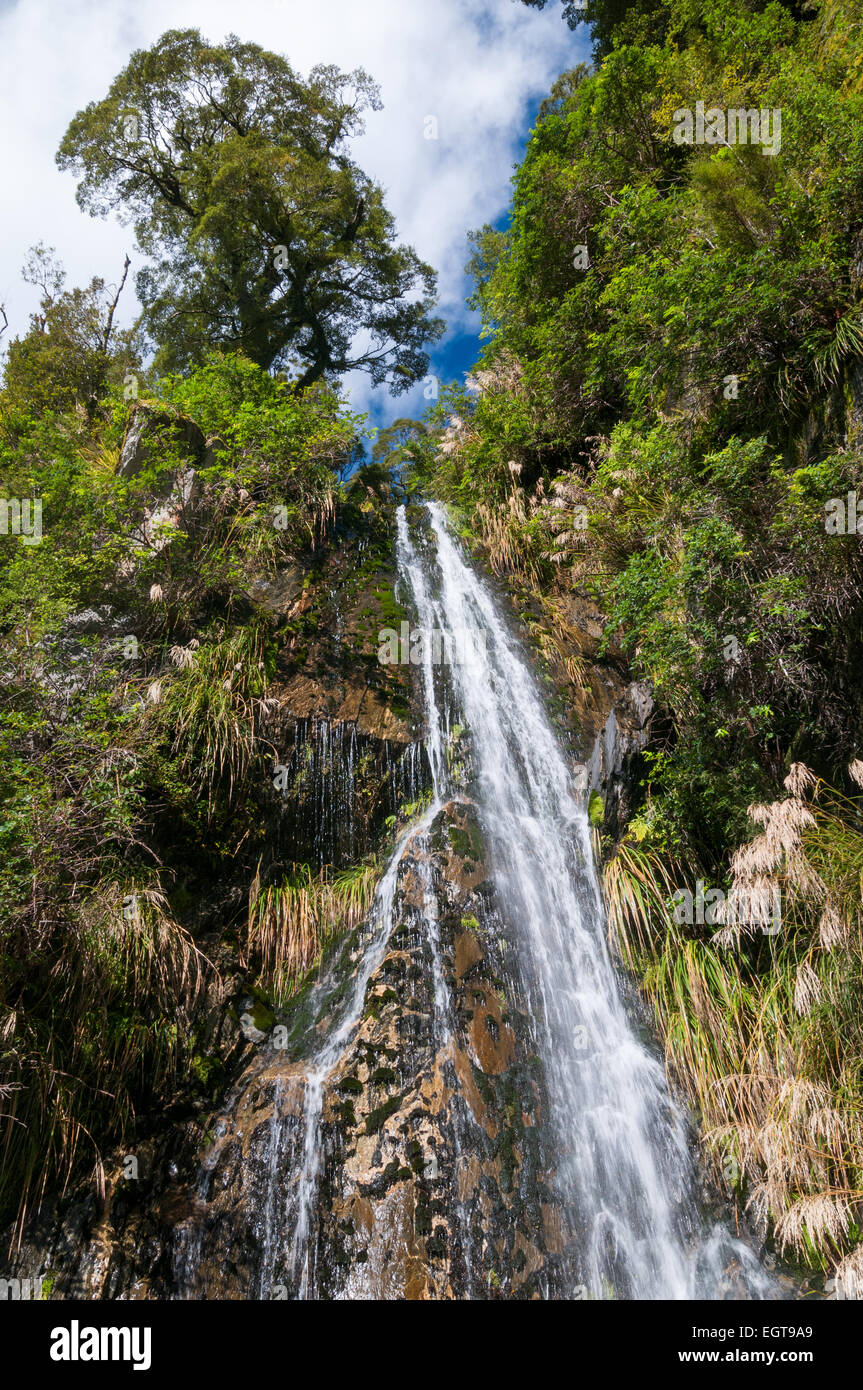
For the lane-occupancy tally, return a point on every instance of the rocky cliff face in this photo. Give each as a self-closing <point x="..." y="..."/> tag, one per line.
<point x="431" y="1163"/>
<point x="432" y="1170"/>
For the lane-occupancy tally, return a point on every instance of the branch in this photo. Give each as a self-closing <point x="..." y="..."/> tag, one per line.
<point x="109" y="325"/>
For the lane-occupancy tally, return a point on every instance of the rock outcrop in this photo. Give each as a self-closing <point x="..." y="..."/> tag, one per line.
<point x="431" y="1137"/>
<point x="432" y="1162"/>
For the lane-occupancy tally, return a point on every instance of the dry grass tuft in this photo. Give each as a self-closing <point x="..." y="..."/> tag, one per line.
<point x="764" y="1031"/>
<point x="290" y="923"/>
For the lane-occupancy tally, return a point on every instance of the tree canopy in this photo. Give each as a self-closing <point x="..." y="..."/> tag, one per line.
<point x="264" y="236"/>
<point x="666" y="423"/>
<point x="606" y="17"/>
<point x="73" y="347"/>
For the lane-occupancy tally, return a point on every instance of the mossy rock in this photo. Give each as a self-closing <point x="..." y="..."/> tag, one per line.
<point x="262" y="1016"/>
<point x="377" y="1118"/>
<point x="351" y="1085"/>
<point x="383" y="1076"/>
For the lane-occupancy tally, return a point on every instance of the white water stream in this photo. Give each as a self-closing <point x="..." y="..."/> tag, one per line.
<point x="619" y="1148"/>
<point x="623" y="1166"/>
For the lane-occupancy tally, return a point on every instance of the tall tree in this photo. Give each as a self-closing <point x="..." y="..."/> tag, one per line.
<point x="608" y="18"/>
<point x="263" y="233"/>
<point x="72" y="347"/>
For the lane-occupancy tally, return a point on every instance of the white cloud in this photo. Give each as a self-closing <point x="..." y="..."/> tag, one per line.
<point x="479" y="67"/>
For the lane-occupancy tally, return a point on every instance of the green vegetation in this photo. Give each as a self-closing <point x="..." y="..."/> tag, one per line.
<point x="267" y="238"/>
<point x="137" y="769"/>
<point x="667" y="402"/>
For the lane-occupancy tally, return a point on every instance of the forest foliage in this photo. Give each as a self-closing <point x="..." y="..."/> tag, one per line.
<point x="133" y="698"/>
<point x="666" y="418"/>
<point x="670" y="395"/>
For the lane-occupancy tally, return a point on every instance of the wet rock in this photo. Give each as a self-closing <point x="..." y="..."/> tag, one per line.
<point x="250" y="1032"/>
<point x="117" y="1243"/>
<point x="625" y="734"/>
<point x="431" y="1180"/>
<point x="256" y="1021"/>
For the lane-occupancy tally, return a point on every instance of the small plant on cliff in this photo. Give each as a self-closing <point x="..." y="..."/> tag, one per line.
<point x="764" y="1032"/>
<point x="290" y="922"/>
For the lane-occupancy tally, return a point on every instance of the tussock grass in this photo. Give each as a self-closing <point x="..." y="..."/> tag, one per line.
<point x="212" y="708"/>
<point x="637" y="888"/>
<point x="557" y="641"/>
<point x="510" y="547"/>
<point x="123" y="978"/>
<point x="765" y="1033"/>
<point x="290" y="923"/>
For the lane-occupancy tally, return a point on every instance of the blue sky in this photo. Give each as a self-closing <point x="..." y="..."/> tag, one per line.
<point x="480" y="67"/>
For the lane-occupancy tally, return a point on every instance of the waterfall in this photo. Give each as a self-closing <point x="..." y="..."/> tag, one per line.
<point x="610" y="1161"/>
<point x="381" y="921"/>
<point x="624" y="1169"/>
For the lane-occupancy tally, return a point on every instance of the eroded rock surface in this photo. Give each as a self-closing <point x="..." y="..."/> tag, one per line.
<point x="431" y="1180"/>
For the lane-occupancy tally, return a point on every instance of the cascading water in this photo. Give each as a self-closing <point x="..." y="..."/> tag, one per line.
<point x="623" y="1166"/>
<point x="296" y="1199"/>
<point x="381" y="920"/>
